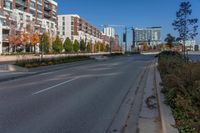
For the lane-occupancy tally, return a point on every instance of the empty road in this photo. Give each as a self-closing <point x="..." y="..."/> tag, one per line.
<point x="79" y="99"/>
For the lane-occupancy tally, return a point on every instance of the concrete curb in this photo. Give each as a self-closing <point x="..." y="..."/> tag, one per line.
<point x="166" y="117"/>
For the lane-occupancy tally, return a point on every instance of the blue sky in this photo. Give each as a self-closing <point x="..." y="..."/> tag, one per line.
<point x="136" y="13"/>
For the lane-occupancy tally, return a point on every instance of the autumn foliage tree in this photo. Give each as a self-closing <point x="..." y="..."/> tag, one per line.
<point x="35" y="39"/>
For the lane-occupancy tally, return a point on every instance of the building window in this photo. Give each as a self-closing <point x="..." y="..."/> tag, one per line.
<point x="40" y="8"/>
<point x="28" y="18"/>
<point x="40" y="1"/>
<point x="7" y="4"/>
<point x="32" y="4"/>
<point x="40" y="15"/>
<point x="21" y="16"/>
<point x="32" y="12"/>
<point x="63" y="33"/>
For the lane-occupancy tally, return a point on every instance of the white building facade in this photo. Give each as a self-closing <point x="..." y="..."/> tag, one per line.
<point x="76" y="28"/>
<point x="150" y="35"/>
<point x="109" y="31"/>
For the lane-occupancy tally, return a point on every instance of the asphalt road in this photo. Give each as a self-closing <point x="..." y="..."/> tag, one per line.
<point x="80" y="99"/>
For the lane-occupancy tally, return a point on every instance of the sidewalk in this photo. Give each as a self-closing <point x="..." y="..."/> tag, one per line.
<point x="149" y="120"/>
<point x="155" y="115"/>
<point x="149" y="113"/>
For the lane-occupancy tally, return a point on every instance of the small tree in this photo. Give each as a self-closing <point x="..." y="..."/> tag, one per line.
<point x="12" y="41"/>
<point x="170" y="40"/>
<point x="186" y="26"/>
<point x="107" y="48"/>
<point x="34" y="40"/>
<point x="57" y="45"/>
<point x="68" y="46"/>
<point x="89" y="47"/>
<point x="82" y="46"/>
<point x="76" y="47"/>
<point x="25" y="38"/>
<point x="44" y="43"/>
<point x="102" y="47"/>
<point x="97" y="47"/>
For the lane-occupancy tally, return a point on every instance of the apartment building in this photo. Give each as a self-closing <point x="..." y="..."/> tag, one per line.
<point x="17" y="14"/>
<point x="150" y="35"/>
<point x="109" y="31"/>
<point x="76" y="28"/>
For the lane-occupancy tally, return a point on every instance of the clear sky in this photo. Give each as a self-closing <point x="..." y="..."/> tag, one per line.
<point x="136" y="13"/>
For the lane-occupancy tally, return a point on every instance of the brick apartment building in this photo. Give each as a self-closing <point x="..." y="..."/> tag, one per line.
<point x="76" y="28"/>
<point x="17" y="14"/>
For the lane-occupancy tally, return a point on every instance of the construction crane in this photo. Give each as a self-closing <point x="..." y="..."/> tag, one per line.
<point x="106" y="25"/>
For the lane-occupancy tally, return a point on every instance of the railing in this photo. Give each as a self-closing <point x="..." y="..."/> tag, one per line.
<point x="5" y="38"/>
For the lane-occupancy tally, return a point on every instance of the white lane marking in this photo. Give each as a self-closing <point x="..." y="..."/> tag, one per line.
<point x="41" y="91"/>
<point x="75" y="78"/>
<point x="46" y="73"/>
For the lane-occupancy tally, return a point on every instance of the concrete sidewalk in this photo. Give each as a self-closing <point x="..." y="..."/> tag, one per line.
<point x="149" y="120"/>
<point x="155" y="115"/>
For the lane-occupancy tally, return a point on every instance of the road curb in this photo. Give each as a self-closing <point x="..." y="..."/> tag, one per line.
<point x="166" y="117"/>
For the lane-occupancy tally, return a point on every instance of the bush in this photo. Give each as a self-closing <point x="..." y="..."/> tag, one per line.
<point x="181" y="83"/>
<point x="31" y="63"/>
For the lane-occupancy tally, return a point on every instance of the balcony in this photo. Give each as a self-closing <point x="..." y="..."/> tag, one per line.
<point x="21" y="4"/>
<point x="46" y="1"/>
<point x="47" y="7"/>
<point x="47" y="15"/>
<point x="5" y="38"/>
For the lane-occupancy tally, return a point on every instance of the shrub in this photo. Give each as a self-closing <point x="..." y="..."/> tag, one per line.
<point x="181" y="83"/>
<point x="30" y="63"/>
